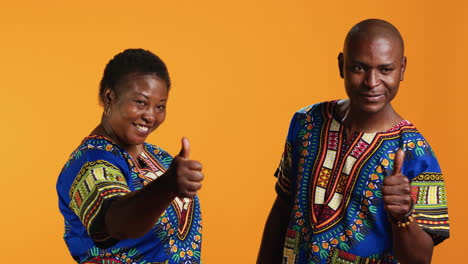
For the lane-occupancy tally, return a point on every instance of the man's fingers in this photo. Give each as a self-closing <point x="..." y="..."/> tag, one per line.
<point x="397" y="200"/>
<point x="396" y="180"/>
<point x="398" y="162"/>
<point x="185" y="150"/>
<point x="396" y="190"/>
<point x="397" y="210"/>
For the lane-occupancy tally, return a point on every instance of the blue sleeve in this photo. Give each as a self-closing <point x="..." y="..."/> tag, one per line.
<point x="87" y="183"/>
<point x="286" y="177"/>
<point x="427" y="188"/>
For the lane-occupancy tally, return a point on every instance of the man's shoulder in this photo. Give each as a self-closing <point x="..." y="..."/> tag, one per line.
<point x="322" y="108"/>
<point x="406" y="128"/>
<point x="314" y="106"/>
<point x="410" y="133"/>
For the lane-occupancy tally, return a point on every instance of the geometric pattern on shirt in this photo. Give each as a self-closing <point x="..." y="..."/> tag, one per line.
<point x="332" y="182"/>
<point x="430" y="208"/>
<point x="336" y="169"/>
<point x="182" y="206"/>
<point x="291" y="247"/>
<point x="165" y="230"/>
<point x="364" y="208"/>
<point x="339" y="256"/>
<point x="97" y="180"/>
<point x="116" y="255"/>
<point x="285" y="167"/>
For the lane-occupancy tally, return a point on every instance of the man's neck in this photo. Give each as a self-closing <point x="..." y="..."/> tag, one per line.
<point x="355" y="120"/>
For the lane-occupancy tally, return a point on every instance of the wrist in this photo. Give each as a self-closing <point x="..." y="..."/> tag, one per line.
<point x="405" y="220"/>
<point x="166" y="184"/>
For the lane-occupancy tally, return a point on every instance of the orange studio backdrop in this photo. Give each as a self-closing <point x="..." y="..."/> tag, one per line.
<point x="240" y="69"/>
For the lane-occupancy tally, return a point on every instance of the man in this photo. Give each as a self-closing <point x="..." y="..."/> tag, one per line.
<point x="357" y="183"/>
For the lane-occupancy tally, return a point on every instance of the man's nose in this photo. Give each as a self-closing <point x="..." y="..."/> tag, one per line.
<point x="372" y="79"/>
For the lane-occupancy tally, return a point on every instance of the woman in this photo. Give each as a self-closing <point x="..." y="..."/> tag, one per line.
<point x="124" y="200"/>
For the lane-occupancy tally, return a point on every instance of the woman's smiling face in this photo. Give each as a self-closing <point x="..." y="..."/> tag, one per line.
<point x="136" y="109"/>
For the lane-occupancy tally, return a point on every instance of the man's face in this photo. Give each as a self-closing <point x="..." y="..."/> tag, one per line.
<point x="372" y="68"/>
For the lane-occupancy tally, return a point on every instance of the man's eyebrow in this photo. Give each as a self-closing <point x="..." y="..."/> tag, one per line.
<point x="359" y="62"/>
<point x="386" y="65"/>
<point x="367" y="65"/>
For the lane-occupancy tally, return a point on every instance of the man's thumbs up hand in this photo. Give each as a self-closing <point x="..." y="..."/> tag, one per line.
<point x="396" y="189"/>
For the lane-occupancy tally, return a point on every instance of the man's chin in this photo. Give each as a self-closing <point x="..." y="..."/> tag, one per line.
<point x="372" y="109"/>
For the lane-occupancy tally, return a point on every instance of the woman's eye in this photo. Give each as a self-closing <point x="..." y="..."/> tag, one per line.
<point x="140" y="102"/>
<point x="161" y="107"/>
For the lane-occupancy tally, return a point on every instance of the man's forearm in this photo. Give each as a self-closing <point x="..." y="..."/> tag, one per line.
<point x="411" y="244"/>
<point x="271" y="248"/>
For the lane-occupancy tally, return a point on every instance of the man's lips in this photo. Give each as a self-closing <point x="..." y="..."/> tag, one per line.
<point x="372" y="98"/>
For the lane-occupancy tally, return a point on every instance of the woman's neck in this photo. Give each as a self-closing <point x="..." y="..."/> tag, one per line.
<point x="106" y="131"/>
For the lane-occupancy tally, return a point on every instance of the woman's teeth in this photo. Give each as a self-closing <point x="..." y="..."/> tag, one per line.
<point x="143" y="129"/>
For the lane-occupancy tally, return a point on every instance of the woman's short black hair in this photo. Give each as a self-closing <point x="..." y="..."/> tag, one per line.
<point x="132" y="61"/>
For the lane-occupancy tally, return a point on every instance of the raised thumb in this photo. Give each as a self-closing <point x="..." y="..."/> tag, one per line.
<point x="185" y="150"/>
<point x="398" y="162"/>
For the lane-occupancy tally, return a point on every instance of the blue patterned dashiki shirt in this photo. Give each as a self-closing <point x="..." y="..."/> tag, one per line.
<point x="99" y="171"/>
<point x="334" y="184"/>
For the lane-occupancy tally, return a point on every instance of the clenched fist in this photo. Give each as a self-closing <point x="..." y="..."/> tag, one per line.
<point x="396" y="190"/>
<point x="186" y="173"/>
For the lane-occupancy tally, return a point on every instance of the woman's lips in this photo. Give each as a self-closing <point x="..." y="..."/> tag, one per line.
<point x="142" y="129"/>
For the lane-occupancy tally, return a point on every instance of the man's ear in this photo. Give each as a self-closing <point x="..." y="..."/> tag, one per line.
<point x="403" y="68"/>
<point x="340" y="64"/>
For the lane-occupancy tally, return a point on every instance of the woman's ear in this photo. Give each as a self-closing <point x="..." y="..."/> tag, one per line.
<point x="109" y="96"/>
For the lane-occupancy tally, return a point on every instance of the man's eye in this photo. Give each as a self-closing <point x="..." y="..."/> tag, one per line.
<point x="161" y="107"/>
<point x="140" y="102"/>
<point x="357" y="68"/>
<point x="387" y="70"/>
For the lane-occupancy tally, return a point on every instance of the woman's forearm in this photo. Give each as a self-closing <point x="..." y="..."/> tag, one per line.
<point x="134" y="214"/>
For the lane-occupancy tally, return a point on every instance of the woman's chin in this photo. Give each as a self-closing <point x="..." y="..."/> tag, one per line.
<point x="135" y="140"/>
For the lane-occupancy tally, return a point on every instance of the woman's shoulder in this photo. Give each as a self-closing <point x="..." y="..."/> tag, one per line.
<point x="99" y="143"/>
<point x="93" y="153"/>
<point x="96" y="147"/>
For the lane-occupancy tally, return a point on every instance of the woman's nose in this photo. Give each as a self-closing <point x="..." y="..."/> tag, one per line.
<point x="149" y="115"/>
